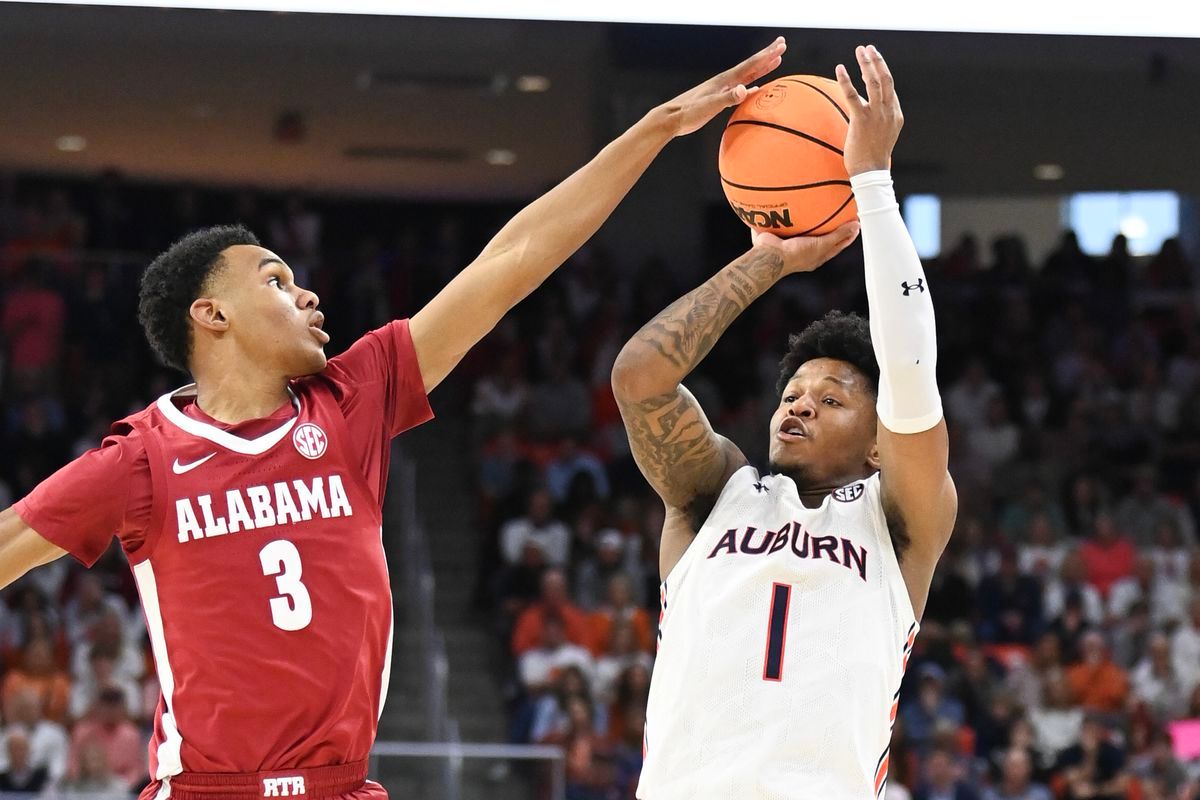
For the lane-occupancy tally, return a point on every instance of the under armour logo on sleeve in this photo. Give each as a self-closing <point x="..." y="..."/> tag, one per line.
<point x="919" y="286"/>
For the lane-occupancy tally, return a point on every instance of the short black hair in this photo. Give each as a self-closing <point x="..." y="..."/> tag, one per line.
<point x="174" y="280"/>
<point x="846" y="337"/>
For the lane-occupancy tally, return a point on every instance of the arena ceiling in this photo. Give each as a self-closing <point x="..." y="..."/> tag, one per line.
<point x="419" y="107"/>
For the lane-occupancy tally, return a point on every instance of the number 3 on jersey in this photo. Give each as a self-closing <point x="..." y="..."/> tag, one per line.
<point x="291" y="610"/>
<point x="781" y="596"/>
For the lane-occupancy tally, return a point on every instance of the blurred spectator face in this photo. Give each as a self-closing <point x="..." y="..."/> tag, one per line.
<point x="1105" y="530"/>
<point x="1040" y="531"/>
<point x="1144" y="571"/>
<point x="1083" y="491"/>
<point x="39" y="657"/>
<point x="1072" y="568"/>
<point x="1021" y="735"/>
<point x="635" y="724"/>
<point x="1058" y="693"/>
<point x="1160" y="653"/>
<point x="573" y="681"/>
<point x="1017" y="770"/>
<point x="554" y="587"/>
<point x="90" y="592"/>
<point x="110" y="707"/>
<point x="107" y="631"/>
<point x="103" y="664"/>
<point x="638" y="679"/>
<point x="1166" y="534"/>
<point x="624" y="640"/>
<point x="579" y="711"/>
<point x="610" y="548"/>
<point x="554" y="634"/>
<point x="940" y="770"/>
<point x="1093" y="649"/>
<point x="1093" y="733"/>
<point x="620" y="591"/>
<point x="93" y="761"/>
<point x="540" y="507"/>
<point x="18" y="751"/>
<point x="1049" y="651"/>
<point x="24" y="707"/>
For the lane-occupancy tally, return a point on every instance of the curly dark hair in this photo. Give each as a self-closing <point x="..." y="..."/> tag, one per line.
<point x="174" y="280"/>
<point x="846" y="337"/>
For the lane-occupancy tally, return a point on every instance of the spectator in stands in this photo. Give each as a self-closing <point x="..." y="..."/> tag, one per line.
<point x="1042" y="549"/>
<point x="930" y="707"/>
<point x="94" y="778"/>
<point x="1009" y="603"/>
<point x="619" y="607"/>
<point x="1096" y="682"/>
<point x="90" y="602"/>
<point x="560" y="405"/>
<point x="944" y="779"/>
<point x="971" y="396"/>
<point x="1057" y="721"/>
<point x="108" y="633"/>
<point x="48" y="745"/>
<point x="552" y="700"/>
<point x="589" y="773"/>
<point x="627" y="755"/>
<point x="1157" y="684"/>
<point x="1085" y="500"/>
<point x="1159" y="771"/>
<point x="1185" y="643"/>
<point x="994" y="443"/>
<point x="531" y="629"/>
<point x="1166" y="599"/>
<point x="1108" y="555"/>
<point x="1094" y="769"/>
<point x="538" y="525"/>
<point x="39" y="673"/>
<point x="31" y="322"/>
<point x="21" y="775"/>
<point x="101" y="675"/>
<point x="109" y="725"/>
<point x="571" y="462"/>
<point x="1141" y="509"/>
<point x="597" y="572"/>
<point x="1016" y="780"/>
<point x="501" y="398"/>
<point x="622" y="651"/>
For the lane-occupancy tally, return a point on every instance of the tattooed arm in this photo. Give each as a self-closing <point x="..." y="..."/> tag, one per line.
<point x="675" y="446"/>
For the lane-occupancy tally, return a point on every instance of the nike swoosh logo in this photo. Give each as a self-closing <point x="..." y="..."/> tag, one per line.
<point x="179" y="469"/>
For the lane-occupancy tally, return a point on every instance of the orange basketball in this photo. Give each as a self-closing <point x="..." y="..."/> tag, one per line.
<point x="781" y="158"/>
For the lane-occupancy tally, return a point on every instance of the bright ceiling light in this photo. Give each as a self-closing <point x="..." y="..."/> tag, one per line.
<point x="533" y="83"/>
<point x="1134" y="227"/>
<point x="71" y="143"/>
<point x="501" y="158"/>
<point x="1049" y="172"/>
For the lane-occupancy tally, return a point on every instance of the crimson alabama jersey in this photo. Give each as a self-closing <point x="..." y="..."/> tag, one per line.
<point x="257" y="552"/>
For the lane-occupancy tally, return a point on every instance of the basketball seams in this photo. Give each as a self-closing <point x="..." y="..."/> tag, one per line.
<point x="817" y="185"/>
<point x="825" y="221"/>
<point x="821" y="92"/>
<point x="786" y="129"/>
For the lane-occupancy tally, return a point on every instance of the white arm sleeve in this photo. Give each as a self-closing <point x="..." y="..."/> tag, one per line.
<point x="901" y="310"/>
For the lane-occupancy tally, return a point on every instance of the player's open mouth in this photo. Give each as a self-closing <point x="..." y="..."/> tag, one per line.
<point x="320" y="335"/>
<point x="791" y="430"/>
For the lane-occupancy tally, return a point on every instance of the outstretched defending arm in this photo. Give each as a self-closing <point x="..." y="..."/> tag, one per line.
<point x="914" y="450"/>
<point x="543" y="235"/>
<point x="674" y="445"/>
<point x="22" y="548"/>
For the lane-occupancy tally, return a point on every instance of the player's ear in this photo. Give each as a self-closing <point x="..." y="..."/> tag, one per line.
<point x="873" y="456"/>
<point x="207" y="313"/>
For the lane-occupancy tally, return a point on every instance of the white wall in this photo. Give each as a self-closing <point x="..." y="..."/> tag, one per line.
<point x="1038" y="220"/>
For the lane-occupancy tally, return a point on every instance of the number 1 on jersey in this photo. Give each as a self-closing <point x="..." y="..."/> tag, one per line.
<point x="781" y="596"/>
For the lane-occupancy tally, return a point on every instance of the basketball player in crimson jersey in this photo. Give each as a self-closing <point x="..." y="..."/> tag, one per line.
<point x="790" y="599"/>
<point x="248" y="503"/>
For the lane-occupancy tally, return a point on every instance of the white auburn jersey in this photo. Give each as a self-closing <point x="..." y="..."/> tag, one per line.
<point x="783" y="637"/>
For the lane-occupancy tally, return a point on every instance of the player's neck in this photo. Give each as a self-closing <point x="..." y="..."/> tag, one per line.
<point x="236" y="396"/>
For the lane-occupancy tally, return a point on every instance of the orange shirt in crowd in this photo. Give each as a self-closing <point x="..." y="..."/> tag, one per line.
<point x="54" y="690"/>
<point x="528" y="632"/>
<point x="1102" y="687"/>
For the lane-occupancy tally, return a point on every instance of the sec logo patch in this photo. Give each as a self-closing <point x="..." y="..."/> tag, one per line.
<point x="848" y="494"/>
<point x="310" y="440"/>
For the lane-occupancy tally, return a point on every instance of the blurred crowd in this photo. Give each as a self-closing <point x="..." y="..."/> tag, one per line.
<point x="1060" y="651"/>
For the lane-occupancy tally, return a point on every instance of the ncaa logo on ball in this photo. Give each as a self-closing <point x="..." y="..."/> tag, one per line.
<point x="310" y="440"/>
<point x="770" y="97"/>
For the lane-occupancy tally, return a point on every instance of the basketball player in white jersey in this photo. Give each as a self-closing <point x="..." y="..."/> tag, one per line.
<point x="790" y="598"/>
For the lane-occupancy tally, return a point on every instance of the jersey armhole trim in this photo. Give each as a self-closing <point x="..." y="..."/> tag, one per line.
<point x="885" y="541"/>
<point x="696" y="534"/>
